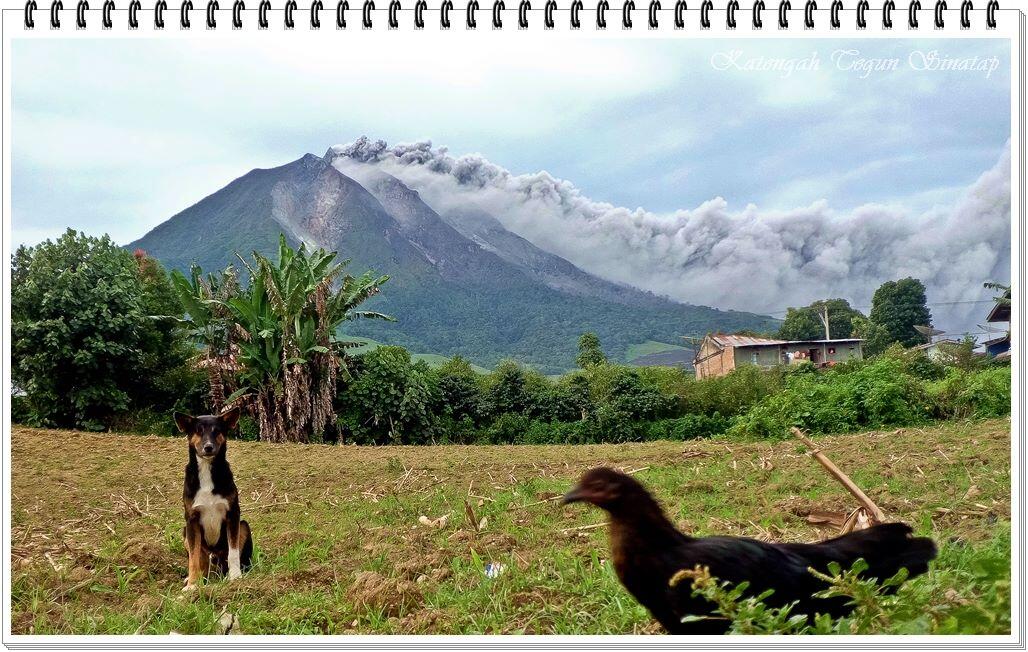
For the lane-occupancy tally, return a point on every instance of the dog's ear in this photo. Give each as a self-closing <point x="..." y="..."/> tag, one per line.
<point x="185" y="422"/>
<point x="229" y="419"/>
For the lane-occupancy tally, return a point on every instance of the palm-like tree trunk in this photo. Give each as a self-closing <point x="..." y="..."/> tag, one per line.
<point x="217" y="389"/>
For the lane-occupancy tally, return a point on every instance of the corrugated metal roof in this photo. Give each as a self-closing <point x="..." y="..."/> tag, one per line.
<point x="841" y="339"/>
<point x="745" y="340"/>
<point x="742" y="340"/>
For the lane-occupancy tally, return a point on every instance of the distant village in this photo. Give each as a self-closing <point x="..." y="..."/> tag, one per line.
<point x="720" y="353"/>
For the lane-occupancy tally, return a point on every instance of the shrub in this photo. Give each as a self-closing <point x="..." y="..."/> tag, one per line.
<point x="978" y="394"/>
<point x="842" y="399"/>
<point x="390" y="399"/>
<point x="508" y="428"/>
<point x="690" y="426"/>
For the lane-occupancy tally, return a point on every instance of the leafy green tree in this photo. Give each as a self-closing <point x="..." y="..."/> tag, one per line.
<point x="805" y="323"/>
<point x="83" y="347"/>
<point x="459" y="390"/>
<point x="290" y="355"/>
<point x="637" y="401"/>
<point x="589" y="351"/>
<point x="167" y="377"/>
<point x="507" y="390"/>
<point x="897" y="306"/>
<point x="391" y="400"/>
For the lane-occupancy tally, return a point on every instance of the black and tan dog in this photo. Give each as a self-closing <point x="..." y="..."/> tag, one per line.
<point x="213" y="527"/>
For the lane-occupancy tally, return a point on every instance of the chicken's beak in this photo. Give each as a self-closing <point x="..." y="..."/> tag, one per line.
<point x="573" y="496"/>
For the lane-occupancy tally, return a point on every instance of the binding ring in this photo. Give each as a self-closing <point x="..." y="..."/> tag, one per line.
<point x="833" y="14"/>
<point x="419" y="14"/>
<point x="55" y="16"/>
<point x="105" y="14"/>
<point x="212" y="22"/>
<point x="940" y="7"/>
<point x="965" y="14"/>
<point x="183" y="14"/>
<point x="316" y="8"/>
<point x="626" y="14"/>
<point x="652" y="18"/>
<point x="551" y="6"/>
<point x="287" y="16"/>
<point x="469" y="18"/>
<point x="915" y="6"/>
<point x="887" y="8"/>
<point x="158" y="14"/>
<point x="341" y="8"/>
<point x="758" y="7"/>
<point x="705" y="8"/>
<point x="990" y="14"/>
<point x="237" y="14"/>
<point x="680" y="8"/>
<point x="80" y="14"/>
<point x="808" y="14"/>
<point x="523" y="10"/>
<point x="733" y="6"/>
<point x="576" y="6"/>
<point x="601" y="19"/>
<point x="861" y="19"/>
<point x="369" y="6"/>
<point x="783" y="14"/>
<point x="30" y="6"/>
<point x="394" y="6"/>
<point x="262" y="14"/>
<point x="498" y="7"/>
<point x="133" y="20"/>
<point x="444" y="14"/>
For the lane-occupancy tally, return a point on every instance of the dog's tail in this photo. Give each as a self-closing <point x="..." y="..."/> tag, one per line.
<point x="246" y="554"/>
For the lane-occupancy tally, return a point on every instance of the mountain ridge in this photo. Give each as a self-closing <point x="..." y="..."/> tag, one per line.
<point x="477" y="290"/>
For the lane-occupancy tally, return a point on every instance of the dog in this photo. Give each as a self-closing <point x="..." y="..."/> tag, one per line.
<point x="213" y="525"/>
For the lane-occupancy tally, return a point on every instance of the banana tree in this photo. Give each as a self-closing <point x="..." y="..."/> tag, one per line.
<point x="289" y="352"/>
<point x="209" y="323"/>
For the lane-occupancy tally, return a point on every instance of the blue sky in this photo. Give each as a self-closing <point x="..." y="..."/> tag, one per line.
<point x="118" y="135"/>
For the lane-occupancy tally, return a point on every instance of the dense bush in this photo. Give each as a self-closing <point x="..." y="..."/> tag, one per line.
<point x="393" y="400"/>
<point x="978" y="394"/>
<point x="84" y="345"/>
<point x="890" y="390"/>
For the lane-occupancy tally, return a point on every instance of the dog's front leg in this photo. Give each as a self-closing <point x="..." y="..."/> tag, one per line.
<point x="199" y="561"/>
<point x="235" y="545"/>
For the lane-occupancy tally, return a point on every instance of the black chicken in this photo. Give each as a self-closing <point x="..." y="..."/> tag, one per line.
<point x="647" y="551"/>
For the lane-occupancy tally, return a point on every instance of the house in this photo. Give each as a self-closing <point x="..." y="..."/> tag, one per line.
<point x="718" y="353"/>
<point x="1000" y="313"/>
<point x="939" y="350"/>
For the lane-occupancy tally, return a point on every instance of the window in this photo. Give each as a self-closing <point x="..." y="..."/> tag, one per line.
<point x="756" y="357"/>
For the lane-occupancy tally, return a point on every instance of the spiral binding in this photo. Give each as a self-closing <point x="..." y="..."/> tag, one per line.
<point x="420" y="8"/>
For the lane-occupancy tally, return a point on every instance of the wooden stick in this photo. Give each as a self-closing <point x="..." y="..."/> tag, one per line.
<point x="839" y="475"/>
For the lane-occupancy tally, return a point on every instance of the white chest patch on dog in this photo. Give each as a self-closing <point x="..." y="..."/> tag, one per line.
<point x="212" y="507"/>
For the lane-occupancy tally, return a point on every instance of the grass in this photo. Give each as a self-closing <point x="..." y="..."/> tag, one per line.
<point x="648" y="347"/>
<point x="97" y="520"/>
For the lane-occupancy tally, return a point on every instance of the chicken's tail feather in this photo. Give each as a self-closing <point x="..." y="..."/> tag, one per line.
<point x="886" y="548"/>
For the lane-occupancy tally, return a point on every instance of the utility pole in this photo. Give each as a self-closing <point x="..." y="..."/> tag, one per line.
<point x="824" y="320"/>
